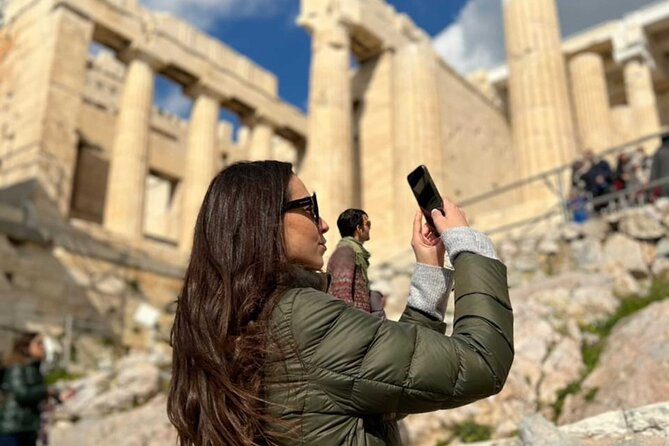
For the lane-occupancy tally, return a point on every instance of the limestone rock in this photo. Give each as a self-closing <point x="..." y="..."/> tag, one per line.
<point x="624" y="284"/>
<point x="537" y="431"/>
<point x="571" y="231"/>
<point x="526" y="263"/>
<point x="639" y="349"/>
<point x="586" y="254"/>
<point x="595" y="228"/>
<point x="641" y="226"/>
<point x="145" y="426"/>
<point x="662" y="248"/>
<point x="548" y="247"/>
<point x="620" y="250"/>
<point x="660" y="268"/>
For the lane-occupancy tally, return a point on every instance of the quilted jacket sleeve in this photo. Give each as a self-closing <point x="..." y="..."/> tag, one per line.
<point x="372" y="366"/>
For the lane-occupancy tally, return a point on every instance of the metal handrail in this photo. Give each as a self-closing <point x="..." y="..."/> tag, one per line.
<point x="557" y="174"/>
<point x="559" y="208"/>
<point x="546" y="175"/>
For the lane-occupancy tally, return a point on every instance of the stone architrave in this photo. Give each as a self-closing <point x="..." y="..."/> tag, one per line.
<point x="591" y="101"/>
<point x="542" y="121"/>
<point x="328" y="165"/>
<point x="260" y="140"/>
<point x="200" y="162"/>
<point x="642" y="101"/>
<point x="124" y="206"/>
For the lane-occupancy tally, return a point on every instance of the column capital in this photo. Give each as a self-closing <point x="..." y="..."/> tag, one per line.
<point x="327" y="29"/>
<point x="254" y="119"/>
<point x="585" y="52"/>
<point x="133" y="52"/>
<point x="630" y="42"/>
<point x="204" y="89"/>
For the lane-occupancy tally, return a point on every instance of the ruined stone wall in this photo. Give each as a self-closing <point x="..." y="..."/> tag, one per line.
<point x="468" y="130"/>
<point x="477" y="143"/>
<point x="41" y="285"/>
<point x="167" y="152"/>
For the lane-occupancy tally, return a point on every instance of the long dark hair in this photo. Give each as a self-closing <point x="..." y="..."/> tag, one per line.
<point x="220" y="336"/>
<point x="21" y="349"/>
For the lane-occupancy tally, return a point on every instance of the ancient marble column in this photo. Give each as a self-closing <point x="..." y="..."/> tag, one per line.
<point x="591" y="101"/>
<point x="542" y="121"/>
<point x="200" y="162"/>
<point x="641" y="99"/>
<point x="328" y="165"/>
<point x="260" y="139"/>
<point x="417" y="126"/>
<point x="124" y="203"/>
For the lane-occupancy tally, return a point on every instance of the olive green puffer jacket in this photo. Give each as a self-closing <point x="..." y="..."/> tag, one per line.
<point x="346" y="374"/>
<point x="22" y="389"/>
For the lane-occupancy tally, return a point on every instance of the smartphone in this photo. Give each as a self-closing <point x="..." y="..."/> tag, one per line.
<point x="426" y="193"/>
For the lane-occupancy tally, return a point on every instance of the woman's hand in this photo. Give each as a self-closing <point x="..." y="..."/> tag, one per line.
<point x="453" y="217"/>
<point x="427" y="246"/>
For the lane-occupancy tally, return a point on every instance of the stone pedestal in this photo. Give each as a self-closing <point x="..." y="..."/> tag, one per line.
<point x="642" y="101"/>
<point x="591" y="101"/>
<point x="200" y="163"/>
<point x="328" y="165"/>
<point x="260" y="140"/>
<point x="542" y="121"/>
<point x="124" y="205"/>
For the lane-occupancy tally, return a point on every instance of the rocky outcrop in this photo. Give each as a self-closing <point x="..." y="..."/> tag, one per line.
<point x="632" y="370"/>
<point x="643" y="426"/>
<point x="564" y="287"/>
<point x="123" y="406"/>
<point x="147" y="425"/>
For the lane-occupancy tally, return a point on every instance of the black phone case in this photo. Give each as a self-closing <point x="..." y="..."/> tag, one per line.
<point x="430" y="198"/>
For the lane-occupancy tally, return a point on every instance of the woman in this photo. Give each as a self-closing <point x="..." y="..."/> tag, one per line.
<point x="22" y="389"/>
<point x="263" y="356"/>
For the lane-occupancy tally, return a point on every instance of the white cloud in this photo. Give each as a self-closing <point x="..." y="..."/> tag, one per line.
<point x="205" y="13"/>
<point x="174" y="102"/>
<point x="476" y="39"/>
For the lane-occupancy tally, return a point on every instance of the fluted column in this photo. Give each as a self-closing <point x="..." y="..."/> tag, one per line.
<point x="591" y="101"/>
<point x="200" y="162"/>
<point x="328" y="164"/>
<point x="260" y="140"/>
<point x="641" y="99"/>
<point x="417" y="125"/>
<point x="124" y="204"/>
<point x="542" y="121"/>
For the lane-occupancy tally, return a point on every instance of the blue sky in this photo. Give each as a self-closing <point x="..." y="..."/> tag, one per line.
<point x="468" y="34"/>
<point x="269" y="36"/>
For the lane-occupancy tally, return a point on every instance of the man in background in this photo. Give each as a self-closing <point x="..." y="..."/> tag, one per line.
<point x="349" y="263"/>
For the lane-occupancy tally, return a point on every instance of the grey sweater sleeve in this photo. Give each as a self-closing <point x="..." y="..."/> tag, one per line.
<point x="431" y="285"/>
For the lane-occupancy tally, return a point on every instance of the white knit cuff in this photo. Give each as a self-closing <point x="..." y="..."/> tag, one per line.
<point x="463" y="239"/>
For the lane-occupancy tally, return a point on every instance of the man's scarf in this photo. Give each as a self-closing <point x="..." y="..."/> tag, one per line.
<point x="361" y="255"/>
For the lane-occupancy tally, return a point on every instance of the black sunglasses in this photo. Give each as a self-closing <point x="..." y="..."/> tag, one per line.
<point x="311" y="203"/>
